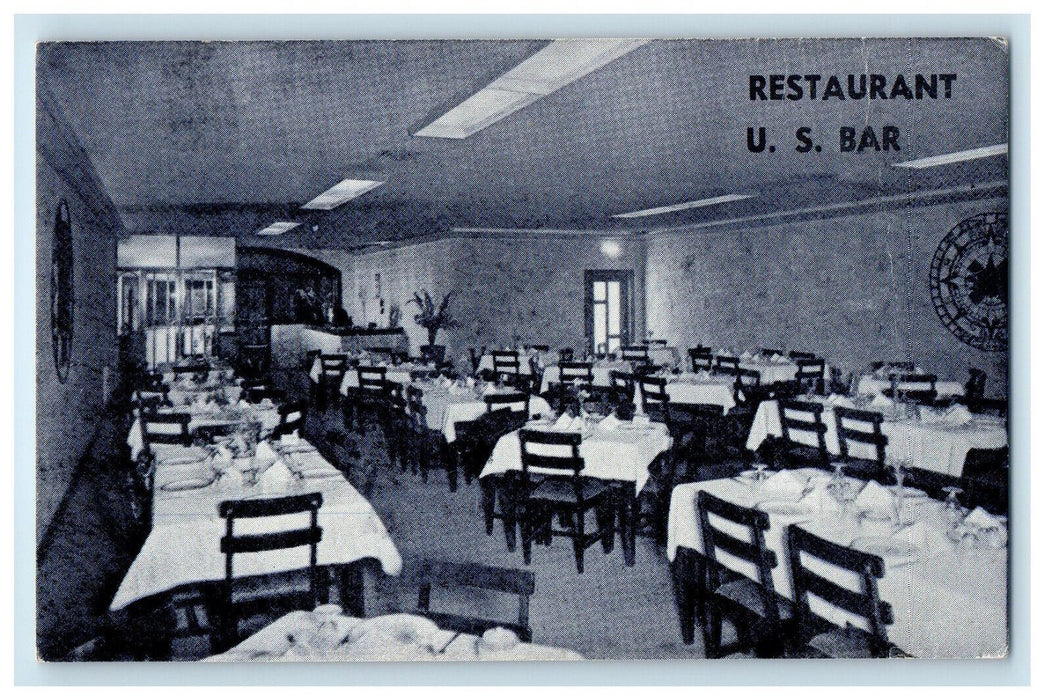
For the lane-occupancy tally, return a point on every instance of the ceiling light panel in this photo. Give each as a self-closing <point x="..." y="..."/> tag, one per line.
<point x="277" y="228"/>
<point x="958" y="157"/>
<point x="341" y="193"/>
<point x="685" y="205"/>
<point x="556" y="65"/>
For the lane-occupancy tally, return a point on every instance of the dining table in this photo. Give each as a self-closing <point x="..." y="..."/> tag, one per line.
<point x="621" y="454"/>
<point x="601" y="370"/>
<point x="928" y="439"/>
<point x="873" y="384"/>
<point x="207" y="415"/>
<point x="447" y="404"/>
<point x="189" y="483"/>
<point x="700" y="388"/>
<point x="948" y="595"/>
<point x="306" y="636"/>
<point x="543" y="358"/>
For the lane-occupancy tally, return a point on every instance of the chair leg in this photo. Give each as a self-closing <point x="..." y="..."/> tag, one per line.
<point x="489" y="496"/>
<point x="684" y="585"/>
<point x="450" y="461"/>
<point x="629" y="513"/>
<point x="526" y="530"/>
<point x="713" y="632"/>
<point x="607" y="522"/>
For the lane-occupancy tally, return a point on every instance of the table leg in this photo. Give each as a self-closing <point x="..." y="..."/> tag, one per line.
<point x="685" y="584"/>
<point x="352" y="589"/>
<point x="629" y="513"/>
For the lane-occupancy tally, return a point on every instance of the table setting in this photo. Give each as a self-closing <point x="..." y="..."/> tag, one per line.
<point x="325" y="634"/>
<point x="212" y="412"/>
<point x="189" y="484"/>
<point x="946" y="566"/>
<point x="448" y="402"/>
<point x="937" y="440"/>
<point x="879" y="381"/>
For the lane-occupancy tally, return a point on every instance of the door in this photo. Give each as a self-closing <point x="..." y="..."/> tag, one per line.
<point x="608" y="316"/>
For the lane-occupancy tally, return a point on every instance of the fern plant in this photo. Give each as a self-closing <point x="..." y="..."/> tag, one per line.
<point x="431" y="317"/>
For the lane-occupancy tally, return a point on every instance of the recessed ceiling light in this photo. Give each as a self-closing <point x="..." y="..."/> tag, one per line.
<point x="341" y="193"/>
<point x="958" y="157"/>
<point x="556" y="65"/>
<point x="277" y="228"/>
<point x="685" y="205"/>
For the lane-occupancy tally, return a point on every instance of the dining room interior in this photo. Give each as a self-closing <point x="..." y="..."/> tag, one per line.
<point x="521" y="350"/>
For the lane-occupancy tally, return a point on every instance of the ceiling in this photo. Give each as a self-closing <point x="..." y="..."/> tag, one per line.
<point x="222" y="138"/>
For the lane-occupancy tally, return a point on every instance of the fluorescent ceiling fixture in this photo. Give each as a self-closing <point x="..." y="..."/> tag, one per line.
<point x="556" y="65"/>
<point x="341" y="193"/>
<point x="277" y="228"/>
<point x="958" y="157"/>
<point x="685" y="205"/>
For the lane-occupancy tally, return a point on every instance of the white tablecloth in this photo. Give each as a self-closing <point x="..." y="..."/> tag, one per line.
<point x="398" y="375"/>
<point x="701" y="389"/>
<point x="934" y="446"/>
<point x="620" y="455"/>
<point x="183" y="546"/>
<point x="871" y="385"/>
<point x="952" y="604"/>
<point x="446" y="408"/>
<point x="268" y="418"/>
<point x="272" y="644"/>
<point x="772" y="371"/>
<point x="215" y="375"/>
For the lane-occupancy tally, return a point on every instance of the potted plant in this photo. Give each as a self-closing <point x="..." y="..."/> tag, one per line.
<point x="433" y="319"/>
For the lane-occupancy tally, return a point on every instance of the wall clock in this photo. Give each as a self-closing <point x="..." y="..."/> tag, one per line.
<point x="969" y="281"/>
<point x="62" y="292"/>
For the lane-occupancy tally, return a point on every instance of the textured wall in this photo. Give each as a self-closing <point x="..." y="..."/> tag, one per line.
<point x="527" y="284"/>
<point x="67" y="413"/>
<point x="853" y="289"/>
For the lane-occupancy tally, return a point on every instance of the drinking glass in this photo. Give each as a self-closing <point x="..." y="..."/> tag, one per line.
<point x="952" y="510"/>
<point x="838" y="485"/>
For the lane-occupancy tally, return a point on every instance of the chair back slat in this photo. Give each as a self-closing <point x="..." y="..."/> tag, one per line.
<point x="333" y="367"/>
<point x="268" y="507"/>
<point x="864" y="603"/>
<point x="566" y="355"/>
<point x="918" y="388"/>
<point x="791" y="412"/>
<point x="701" y="358"/>
<point x="728" y="361"/>
<point x="515" y="401"/>
<point x="635" y="353"/>
<point x="372" y="378"/>
<point x="270" y="541"/>
<point x="166" y="428"/>
<point x="572" y="463"/>
<point x="810" y="374"/>
<point x="801" y="355"/>
<point x="570" y="372"/>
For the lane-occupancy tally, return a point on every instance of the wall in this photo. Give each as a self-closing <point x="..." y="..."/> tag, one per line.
<point x="522" y="283"/>
<point x="854" y="289"/>
<point x="67" y="414"/>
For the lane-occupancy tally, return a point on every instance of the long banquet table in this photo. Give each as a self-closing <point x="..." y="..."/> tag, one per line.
<point x="933" y="445"/>
<point x="388" y="638"/>
<point x="204" y="417"/>
<point x="183" y="544"/>
<point x="947" y="602"/>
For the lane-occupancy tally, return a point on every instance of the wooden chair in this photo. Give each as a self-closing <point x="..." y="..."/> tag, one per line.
<point x="428" y="447"/>
<point x="811" y="375"/>
<point x="914" y="388"/>
<point x="802" y="417"/>
<point x="370" y="396"/>
<point x="984" y="478"/>
<point x="727" y="361"/>
<point x="760" y="615"/>
<point x="150" y="401"/>
<point x="656" y="343"/>
<point x="256" y="392"/>
<point x="515" y="401"/>
<point x="291" y="418"/>
<point x="635" y="354"/>
<point x="565" y="492"/>
<point x="863" y="434"/>
<point x="267" y="594"/>
<point x="333" y="368"/>
<point x="433" y="353"/>
<point x="701" y="359"/>
<point x="566" y="355"/>
<point x="819" y="638"/>
<point x="474" y="445"/>
<point x="541" y="348"/>
<point x="623" y="393"/>
<point x="166" y="428"/>
<point x="506" y="364"/>
<point x="800" y="355"/>
<point x="430" y="574"/>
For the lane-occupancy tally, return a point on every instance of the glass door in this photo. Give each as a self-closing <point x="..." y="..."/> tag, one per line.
<point x="608" y="309"/>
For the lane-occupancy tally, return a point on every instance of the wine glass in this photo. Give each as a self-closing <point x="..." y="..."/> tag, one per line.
<point x="838" y="485"/>
<point x="952" y="510"/>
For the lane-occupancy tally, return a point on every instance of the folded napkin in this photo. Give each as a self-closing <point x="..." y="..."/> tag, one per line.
<point x="244" y="404"/>
<point x="981" y="518"/>
<point x="447" y="382"/>
<point x="563" y="422"/>
<point x="924" y="537"/>
<point x="882" y="401"/>
<point x="745" y="357"/>
<point x="819" y="499"/>
<point x="577" y="424"/>
<point x="930" y="415"/>
<point x="841" y="400"/>
<point x="876" y="499"/>
<point x="610" y="423"/>
<point x="224" y="454"/>
<point x="277" y="474"/>
<point x="784" y="485"/>
<point x="777" y="358"/>
<point x="490" y="389"/>
<point x="291" y="439"/>
<point x="471" y="382"/>
<point x="957" y="415"/>
<point x="992" y="532"/>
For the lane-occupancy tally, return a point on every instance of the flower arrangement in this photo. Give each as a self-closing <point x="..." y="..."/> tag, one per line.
<point x="433" y="318"/>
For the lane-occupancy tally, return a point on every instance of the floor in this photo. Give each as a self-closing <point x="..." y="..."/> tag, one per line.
<point x="610" y="611"/>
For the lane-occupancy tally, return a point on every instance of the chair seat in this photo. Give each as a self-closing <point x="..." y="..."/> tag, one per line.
<point x="748" y="594"/>
<point x="851" y="643"/>
<point x="557" y="490"/>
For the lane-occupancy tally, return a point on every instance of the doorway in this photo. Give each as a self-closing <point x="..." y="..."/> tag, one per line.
<point x="608" y="316"/>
